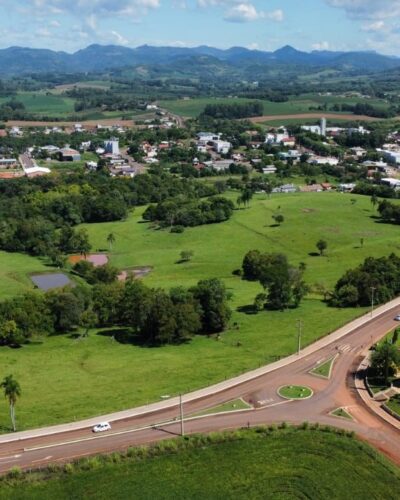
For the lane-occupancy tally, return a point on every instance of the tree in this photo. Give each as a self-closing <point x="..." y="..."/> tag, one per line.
<point x="374" y="200"/>
<point x="322" y="245"/>
<point x="212" y="297"/>
<point x="385" y="360"/>
<point x="12" y="391"/>
<point x="111" y="240"/>
<point x="88" y="319"/>
<point x="186" y="255"/>
<point x="10" y="333"/>
<point x="279" y="219"/>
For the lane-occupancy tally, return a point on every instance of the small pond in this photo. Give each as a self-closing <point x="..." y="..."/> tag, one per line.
<point x="48" y="281"/>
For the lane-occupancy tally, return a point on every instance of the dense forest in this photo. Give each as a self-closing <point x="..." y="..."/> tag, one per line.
<point x="38" y="216"/>
<point x="150" y="316"/>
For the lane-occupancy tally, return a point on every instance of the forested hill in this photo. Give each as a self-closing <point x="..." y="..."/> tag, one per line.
<point x="19" y="60"/>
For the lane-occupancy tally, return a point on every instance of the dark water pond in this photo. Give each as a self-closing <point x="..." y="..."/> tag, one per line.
<point x="50" y="281"/>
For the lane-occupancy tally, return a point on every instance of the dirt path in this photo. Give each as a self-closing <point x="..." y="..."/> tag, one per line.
<point x="303" y="116"/>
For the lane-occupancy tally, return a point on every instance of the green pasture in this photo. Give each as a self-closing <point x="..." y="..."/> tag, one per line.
<point x="282" y="464"/>
<point x="192" y="108"/>
<point x="112" y="376"/>
<point x="44" y="103"/>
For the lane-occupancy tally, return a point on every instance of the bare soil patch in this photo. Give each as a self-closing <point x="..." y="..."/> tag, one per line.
<point x="97" y="259"/>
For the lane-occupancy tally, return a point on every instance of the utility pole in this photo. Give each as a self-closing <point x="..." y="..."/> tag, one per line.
<point x="299" y="331"/>
<point x="181" y="409"/>
<point x="372" y="300"/>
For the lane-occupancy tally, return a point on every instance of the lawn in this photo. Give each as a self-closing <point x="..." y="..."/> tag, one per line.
<point x="394" y="404"/>
<point x="295" y="392"/>
<point x="324" y="369"/>
<point x="236" y="405"/>
<point x="342" y="413"/>
<point x="281" y="464"/>
<point x="112" y="376"/>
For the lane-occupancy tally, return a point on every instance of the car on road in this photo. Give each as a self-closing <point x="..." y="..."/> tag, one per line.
<point x="103" y="426"/>
<point x="397" y="318"/>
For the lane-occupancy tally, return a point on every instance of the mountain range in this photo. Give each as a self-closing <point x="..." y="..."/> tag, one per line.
<point x="100" y="58"/>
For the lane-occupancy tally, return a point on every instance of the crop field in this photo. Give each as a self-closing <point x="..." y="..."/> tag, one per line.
<point x="44" y="103"/>
<point x="280" y="464"/>
<point x="113" y="376"/>
<point x="192" y="108"/>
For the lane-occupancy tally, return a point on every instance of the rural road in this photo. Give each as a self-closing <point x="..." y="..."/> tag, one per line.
<point x="350" y="344"/>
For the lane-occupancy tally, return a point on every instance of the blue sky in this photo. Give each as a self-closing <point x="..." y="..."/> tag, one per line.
<point x="263" y="24"/>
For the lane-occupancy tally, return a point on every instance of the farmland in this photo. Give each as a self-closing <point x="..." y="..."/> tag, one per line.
<point x="192" y="108"/>
<point x="111" y="375"/>
<point x="285" y="463"/>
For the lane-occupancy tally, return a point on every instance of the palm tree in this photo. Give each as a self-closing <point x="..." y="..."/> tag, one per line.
<point x="111" y="240"/>
<point x="12" y="391"/>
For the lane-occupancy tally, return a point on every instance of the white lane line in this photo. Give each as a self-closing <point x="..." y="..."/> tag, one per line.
<point x="11" y="456"/>
<point x="276" y="404"/>
<point x="42" y="459"/>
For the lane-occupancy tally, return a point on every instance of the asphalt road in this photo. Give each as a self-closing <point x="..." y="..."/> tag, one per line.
<point x="338" y="391"/>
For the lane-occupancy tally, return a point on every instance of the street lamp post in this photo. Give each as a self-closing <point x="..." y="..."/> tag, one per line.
<point x="372" y="300"/>
<point x="299" y="332"/>
<point x="181" y="412"/>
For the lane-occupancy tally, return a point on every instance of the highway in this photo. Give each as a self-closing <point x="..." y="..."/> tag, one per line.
<point x="30" y="450"/>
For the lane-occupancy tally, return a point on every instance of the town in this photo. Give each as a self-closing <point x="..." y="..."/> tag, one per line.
<point x="345" y="155"/>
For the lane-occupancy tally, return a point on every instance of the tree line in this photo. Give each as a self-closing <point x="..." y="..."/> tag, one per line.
<point x="184" y="212"/>
<point x="153" y="316"/>
<point x="235" y="110"/>
<point x="380" y="277"/>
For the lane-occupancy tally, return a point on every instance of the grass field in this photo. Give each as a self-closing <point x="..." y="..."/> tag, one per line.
<point x="44" y="103"/>
<point x="113" y="376"/>
<point x="283" y="464"/>
<point x="192" y="108"/>
<point x="14" y="273"/>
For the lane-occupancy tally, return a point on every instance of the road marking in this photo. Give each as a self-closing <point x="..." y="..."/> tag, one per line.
<point x="42" y="459"/>
<point x="345" y="348"/>
<point x="264" y="402"/>
<point x="11" y="456"/>
<point x="277" y="404"/>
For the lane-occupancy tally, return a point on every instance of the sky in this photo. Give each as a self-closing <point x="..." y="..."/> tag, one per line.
<point x="70" y="25"/>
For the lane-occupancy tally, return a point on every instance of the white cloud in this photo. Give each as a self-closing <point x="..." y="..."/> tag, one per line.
<point x="121" y="40"/>
<point x="374" y="27"/>
<point x="368" y="9"/>
<point x="321" y="46"/>
<point x="243" y="13"/>
<point x="135" y="8"/>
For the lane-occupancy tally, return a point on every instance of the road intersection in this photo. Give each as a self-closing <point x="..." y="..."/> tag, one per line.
<point x="349" y="346"/>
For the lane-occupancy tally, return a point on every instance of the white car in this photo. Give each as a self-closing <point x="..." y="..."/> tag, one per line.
<point x="104" y="426"/>
<point x="397" y="318"/>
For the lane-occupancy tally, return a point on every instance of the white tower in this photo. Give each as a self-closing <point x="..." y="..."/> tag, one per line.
<point x="323" y="126"/>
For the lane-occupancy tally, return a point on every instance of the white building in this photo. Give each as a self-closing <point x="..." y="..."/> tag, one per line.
<point x="315" y="129"/>
<point x="222" y="147"/>
<point x="208" y="137"/>
<point x="323" y="160"/>
<point x="392" y="157"/>
<point x="389" y="181"/>
<point x="112" y="146"/>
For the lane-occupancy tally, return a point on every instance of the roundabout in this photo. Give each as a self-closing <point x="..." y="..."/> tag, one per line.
<point x="295" y="392"/>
